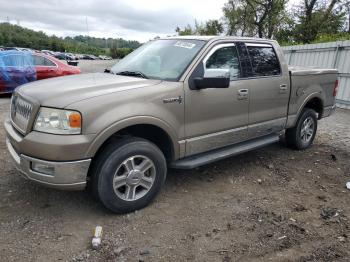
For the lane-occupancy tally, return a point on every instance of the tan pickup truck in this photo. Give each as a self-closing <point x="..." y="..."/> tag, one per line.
<point x="176" y="102"/>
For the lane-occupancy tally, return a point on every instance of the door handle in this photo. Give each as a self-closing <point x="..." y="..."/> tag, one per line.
<point x="242" y="94"/>
<point x="283" y="87"/>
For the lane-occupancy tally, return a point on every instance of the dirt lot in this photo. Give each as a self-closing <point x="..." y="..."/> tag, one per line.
<point x="272" y="204"/>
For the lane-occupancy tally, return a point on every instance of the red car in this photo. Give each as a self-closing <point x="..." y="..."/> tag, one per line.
<point x="48" y="66"/>
<point x="18" y="68"/>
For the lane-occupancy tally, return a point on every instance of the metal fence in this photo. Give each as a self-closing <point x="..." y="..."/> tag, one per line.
<point x="325" y="55"/>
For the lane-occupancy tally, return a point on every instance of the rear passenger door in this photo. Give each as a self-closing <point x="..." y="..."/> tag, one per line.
<point x="268" y="90"/>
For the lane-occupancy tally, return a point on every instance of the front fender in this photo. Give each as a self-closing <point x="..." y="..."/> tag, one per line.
<point x="137" y="120"/>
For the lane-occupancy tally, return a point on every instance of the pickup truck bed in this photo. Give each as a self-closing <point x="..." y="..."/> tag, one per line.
<point x="309" y="82"/>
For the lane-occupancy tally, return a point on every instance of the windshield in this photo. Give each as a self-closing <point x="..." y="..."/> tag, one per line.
<point x="160" y="59"/>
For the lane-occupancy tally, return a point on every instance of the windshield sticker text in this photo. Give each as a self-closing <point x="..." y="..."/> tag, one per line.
<point x="184" y="44"/>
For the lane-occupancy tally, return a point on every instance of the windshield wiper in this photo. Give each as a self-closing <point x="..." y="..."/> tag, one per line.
<point x="132" y="73"/>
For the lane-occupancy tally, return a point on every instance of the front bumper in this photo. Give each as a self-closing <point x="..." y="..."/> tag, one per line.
<point x="66" y="175"/>
<point x="63" y="167"/>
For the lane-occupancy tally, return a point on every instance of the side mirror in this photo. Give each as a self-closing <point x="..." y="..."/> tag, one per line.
<point x="213" y="78"/>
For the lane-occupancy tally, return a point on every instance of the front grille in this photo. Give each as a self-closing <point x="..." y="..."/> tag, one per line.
<point x="21" y="111"/>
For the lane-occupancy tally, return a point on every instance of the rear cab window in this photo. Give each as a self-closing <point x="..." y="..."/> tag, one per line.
<point x="263" y="59"/>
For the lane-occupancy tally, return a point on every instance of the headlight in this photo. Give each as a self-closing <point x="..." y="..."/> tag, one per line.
<point x="57" y="121"/>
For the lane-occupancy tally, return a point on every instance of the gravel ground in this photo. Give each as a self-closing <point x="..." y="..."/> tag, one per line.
<point x="337" y="130"/>
<point x="272" y="204"/>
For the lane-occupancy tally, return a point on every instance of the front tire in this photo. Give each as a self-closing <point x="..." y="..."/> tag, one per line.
<point x="302" y="135"/>
<point x="128" y="174"/>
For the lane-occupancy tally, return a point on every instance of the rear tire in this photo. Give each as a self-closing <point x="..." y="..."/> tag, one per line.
<point x="302" y="135"/>
<point x="128" y="174"/>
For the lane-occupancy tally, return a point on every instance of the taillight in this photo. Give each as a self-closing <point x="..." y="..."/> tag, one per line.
<point x="335" y="89"/>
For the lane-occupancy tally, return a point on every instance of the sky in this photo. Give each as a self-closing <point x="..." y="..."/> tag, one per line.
<point x="129" y="19"/>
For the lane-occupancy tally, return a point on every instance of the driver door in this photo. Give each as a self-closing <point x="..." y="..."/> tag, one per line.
<point x="216" y="117"/>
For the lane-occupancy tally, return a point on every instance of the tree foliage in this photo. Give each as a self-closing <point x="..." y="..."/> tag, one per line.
<point x="318" y="17"/>
<point x="254" y="17"/>
<point x="13" y="35"/>
<point x="308" y="21"/>
<point x="116" y="52"/>
<point x="210" y="27"/>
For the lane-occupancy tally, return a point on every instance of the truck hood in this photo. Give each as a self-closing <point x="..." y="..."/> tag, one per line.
<point x="62" y="91"/>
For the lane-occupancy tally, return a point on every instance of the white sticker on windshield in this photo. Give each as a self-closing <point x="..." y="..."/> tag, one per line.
<point x="184" y="44"/>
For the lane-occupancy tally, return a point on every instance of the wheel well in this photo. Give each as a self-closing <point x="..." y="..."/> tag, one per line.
<point x="149" y="132"/>
<point x="317" y="105"/>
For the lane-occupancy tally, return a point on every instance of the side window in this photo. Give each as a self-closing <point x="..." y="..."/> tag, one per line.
<point x="38" y="60"/>
<point x="225" y="58"/>
<point x="8" y="60"/>
<point x="42" y="61"/>
<point x="17" y="60"/>
<point x="48" y="62"/>
<point x="13" y="60"/>
<point x="264" y="60"/>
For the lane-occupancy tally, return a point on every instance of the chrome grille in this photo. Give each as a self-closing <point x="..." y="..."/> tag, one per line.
<point x="21" y="111"/>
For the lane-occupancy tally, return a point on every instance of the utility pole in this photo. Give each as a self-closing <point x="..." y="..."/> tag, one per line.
<point x="87" y="25"/>
<point x="348" y="17"/>
<point x="87" y="30"/>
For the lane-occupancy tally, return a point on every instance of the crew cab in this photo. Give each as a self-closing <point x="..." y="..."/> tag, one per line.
<point x="178" y="102"/>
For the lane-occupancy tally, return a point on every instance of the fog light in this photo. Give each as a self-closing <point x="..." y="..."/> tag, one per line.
<point x="44" y="169"/>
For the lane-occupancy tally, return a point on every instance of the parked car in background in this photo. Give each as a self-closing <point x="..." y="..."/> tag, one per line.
<point x="79" y="56"/>
<point x="103" y="57"/>
<point x="88" y="57"/>
<point x="17" y="68"/>
<point x="49" y="52"/>
<point x="60" y="56"/>
<point x="10" y="48"/>
<point x="70" y="56"/>
<point x="91" y="57"/>
<point x="18" y="49"/>
<point x="65" y="56"/>
<point x="95" y="57"/>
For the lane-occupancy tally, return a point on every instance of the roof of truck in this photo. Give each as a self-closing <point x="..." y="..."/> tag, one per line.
<point x="214" y="37"/>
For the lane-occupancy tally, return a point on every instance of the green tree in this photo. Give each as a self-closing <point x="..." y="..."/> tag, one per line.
<point x="261" y="18"/>
<point x="13" y="35"/>
<point x="210" y="27"/>
<point x="188" y="30"/>
<point x="318" y="17"/>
